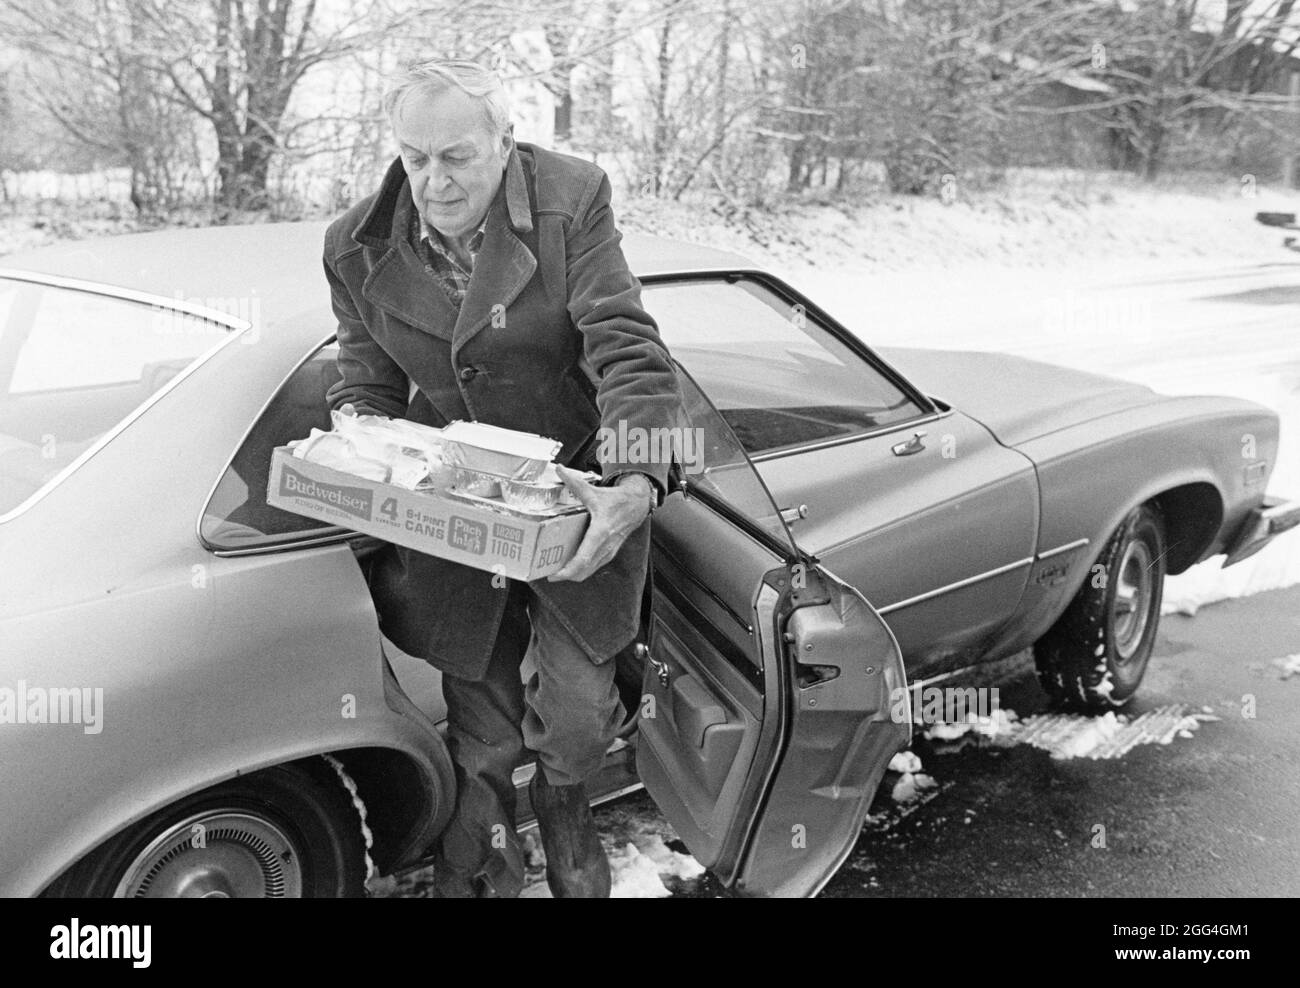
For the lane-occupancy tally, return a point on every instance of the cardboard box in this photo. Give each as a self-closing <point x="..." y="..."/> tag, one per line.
<point x="518" y="546"/>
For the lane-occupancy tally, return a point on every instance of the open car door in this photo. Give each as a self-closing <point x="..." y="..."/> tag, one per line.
<point x="773" y="695"/>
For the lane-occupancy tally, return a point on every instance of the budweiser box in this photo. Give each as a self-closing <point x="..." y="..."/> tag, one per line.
<point x="471" y="532"/>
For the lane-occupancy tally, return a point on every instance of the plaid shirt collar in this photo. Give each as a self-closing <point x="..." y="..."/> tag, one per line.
<point x="435" y="240"/>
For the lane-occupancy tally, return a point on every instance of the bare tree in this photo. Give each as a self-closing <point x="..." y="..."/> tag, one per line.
<point x="89" y="72"/>
<point x="236" y="63"/>
<point x="1172" y="71"/>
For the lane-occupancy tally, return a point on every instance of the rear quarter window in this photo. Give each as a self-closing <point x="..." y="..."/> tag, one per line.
<point x="74" y="365"/>
<point x="237" y="516"/>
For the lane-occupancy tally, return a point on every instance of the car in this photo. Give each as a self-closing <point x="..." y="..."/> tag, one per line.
<point x="196" y="698"/>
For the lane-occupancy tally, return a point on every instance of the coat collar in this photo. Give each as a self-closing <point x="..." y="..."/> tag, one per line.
<point x="399" y="283"/>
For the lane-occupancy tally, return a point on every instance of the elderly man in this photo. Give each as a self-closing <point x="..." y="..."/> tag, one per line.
<point x="484" y="280"/>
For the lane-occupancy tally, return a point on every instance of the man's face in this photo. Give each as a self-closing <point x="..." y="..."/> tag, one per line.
<point x="454" y="163"/>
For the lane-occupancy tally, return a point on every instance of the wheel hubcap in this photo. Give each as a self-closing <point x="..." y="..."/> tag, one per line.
<point x="1131" y="607"/>
<point x="217" y="854"/>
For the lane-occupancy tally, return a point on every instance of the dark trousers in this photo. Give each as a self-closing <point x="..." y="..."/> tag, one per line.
<point x="566" y="716"/>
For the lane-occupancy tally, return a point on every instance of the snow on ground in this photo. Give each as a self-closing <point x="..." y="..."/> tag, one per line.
<point x="1288" y="666"/>
<point x="911" y="785"/>
<point x="1037" y="218"/>
<point x="1110" y="735"/>
<point x="905" y="761"/>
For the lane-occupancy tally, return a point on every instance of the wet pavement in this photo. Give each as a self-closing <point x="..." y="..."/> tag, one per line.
<point x="1214" y="814"/>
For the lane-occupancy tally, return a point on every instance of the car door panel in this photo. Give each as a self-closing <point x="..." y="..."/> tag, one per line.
<point x="766" y="781"/>
<point x="843" y="732"/>
<point x="702" y="700"/>
<point x="940" y="541"/>
<point x="768" y="711"/>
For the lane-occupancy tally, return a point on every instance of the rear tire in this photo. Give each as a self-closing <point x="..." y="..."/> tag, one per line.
<point x="285" y="832"/>
<point x="1094" y="657"/>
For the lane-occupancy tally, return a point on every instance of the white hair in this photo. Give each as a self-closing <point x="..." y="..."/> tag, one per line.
<point x="437" y="75"/>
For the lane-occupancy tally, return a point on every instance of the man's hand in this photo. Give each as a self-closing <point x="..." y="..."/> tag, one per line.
<point x="615" y="514"/>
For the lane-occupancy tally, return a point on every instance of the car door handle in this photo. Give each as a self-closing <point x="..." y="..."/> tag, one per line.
<point x="909" y="446"/>
<point x="792" y="515"/>
<point x="661" y="670"/>
<point x="658" y="665"/>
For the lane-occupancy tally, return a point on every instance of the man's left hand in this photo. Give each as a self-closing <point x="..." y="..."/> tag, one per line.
<point x="615" y="514"/>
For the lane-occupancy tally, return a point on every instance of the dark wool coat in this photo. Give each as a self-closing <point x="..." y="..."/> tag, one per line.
<point x="551" y="338"/>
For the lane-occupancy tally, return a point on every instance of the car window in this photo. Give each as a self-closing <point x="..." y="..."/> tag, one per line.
<point x="73" y="365"/>
<point x="777" y="376"/>
<point x="237" y="515"/>
<point x="713" y="460"/>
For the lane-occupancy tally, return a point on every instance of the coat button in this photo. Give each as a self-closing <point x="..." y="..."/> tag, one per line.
<point x="468" y="373"/>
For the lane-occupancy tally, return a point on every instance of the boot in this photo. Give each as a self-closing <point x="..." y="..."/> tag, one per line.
<point x="449" y="885"/>
<point x="576" y="865"/>
<point x="501" y="876"/>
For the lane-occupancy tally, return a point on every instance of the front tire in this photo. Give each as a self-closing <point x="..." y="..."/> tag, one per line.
<point x="1094" y="657"/>
<point x="286" y="832"/>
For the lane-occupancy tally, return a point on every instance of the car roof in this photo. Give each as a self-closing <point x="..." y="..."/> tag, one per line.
<point x="275" y="266"/>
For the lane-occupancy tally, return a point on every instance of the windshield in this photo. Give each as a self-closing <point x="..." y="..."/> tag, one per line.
<point x="74" y="364"/>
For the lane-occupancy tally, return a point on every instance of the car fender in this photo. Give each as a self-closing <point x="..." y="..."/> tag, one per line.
<point x="1093" y="474"/>
<point x="205" y="706"/>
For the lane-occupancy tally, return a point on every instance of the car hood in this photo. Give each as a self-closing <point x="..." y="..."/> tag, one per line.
<point x="1016" y="398"/>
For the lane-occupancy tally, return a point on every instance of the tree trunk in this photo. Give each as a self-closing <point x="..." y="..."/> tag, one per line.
<point x="720" y="97"/>
<point x="564" y="116"/>
<point x="1153" y="150"/>
<point x="659" y="147"/>
<point x="796" y="178"/>
<point x="559" y="80"/>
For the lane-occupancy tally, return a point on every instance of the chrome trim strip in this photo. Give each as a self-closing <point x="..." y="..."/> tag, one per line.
<point x="954" y="586"/>
<point x="126" y="294"/>
<point x="238" y="326"/>
<point x="940" y="677"/>
<point x="671" y="274"/>
<point x="884" y="430"/>
<point x="321" y="537"/>
<point x="1076" y="544"/>
<point x="314" y="537"/>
